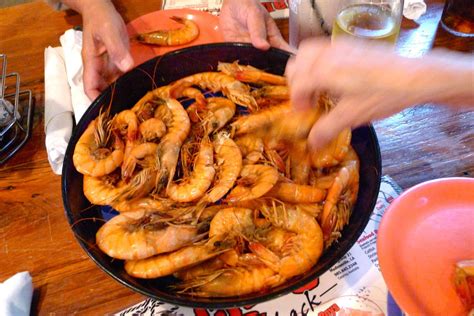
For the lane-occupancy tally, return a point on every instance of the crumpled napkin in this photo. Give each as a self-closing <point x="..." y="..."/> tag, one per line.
<point x="413" y="9"/>
<point x="64" y="95"/>
<point x="15" y="295"/>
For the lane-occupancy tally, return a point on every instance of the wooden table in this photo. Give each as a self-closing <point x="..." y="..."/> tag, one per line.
<point x="419" y="144"/>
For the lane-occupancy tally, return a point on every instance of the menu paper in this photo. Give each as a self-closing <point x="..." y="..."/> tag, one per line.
<point x="354" y="285"/>
<point x="277" y="9"/>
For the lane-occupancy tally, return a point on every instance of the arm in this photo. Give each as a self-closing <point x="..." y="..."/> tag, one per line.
<point x="374" y="82"/>
<point x="105" y="50"/>
<point x="249" y="21"/>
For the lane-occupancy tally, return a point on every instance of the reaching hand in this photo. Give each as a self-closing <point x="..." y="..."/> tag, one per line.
<point x="248" y="21"/>
<point x="372" y="82"/>
<point x="105" y="50"/>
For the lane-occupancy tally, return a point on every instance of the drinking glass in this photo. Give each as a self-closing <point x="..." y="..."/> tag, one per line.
<point x="369" y="19"/>
<point x="458" y="17"/>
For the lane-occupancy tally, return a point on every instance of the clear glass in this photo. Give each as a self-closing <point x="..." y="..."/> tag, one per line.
<point x="369" y="19"/>
<point x="458" y="17"/>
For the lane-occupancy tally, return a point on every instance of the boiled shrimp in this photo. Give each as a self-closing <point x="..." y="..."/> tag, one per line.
<point x="302" y="250"/>
<point x="103" y="190"/>
<point x="332" y="154"/>
<point x="137" y="235"/>
<point x="199" y="181"/>
<point x="228" y="164"/>
<point x="221" y="111"/>
<point x="233" y="281"/>
<point x="251" y="148"/>
<point x="168" y="149"/>
<point x="261" y="120"/>
<point x="145" y="204"/>
<point x="296" y="193"/>
<point x="183" y="35"/>
<point x="152" y="129"/>
<point x="166" y="264"/>
<point x="92" y="154"/>
<point x="233" y="89"/>
<point x="335" y="215"/>
<point x="145" y="155"/>
<point x="254" y="182"/>
<point x="250" y="74"/>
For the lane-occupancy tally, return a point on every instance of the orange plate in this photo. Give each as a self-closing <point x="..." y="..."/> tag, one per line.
<point x="160" y="20"/>
<point x="424" y="232"/>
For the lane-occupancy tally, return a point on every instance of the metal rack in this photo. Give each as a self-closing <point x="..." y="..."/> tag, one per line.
<point x="15" y="113"/>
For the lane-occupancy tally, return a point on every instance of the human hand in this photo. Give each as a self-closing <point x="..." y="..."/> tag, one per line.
<point x="105" y="48"/>
<point x="371" y="81"/>
<point x="248" y="21"/>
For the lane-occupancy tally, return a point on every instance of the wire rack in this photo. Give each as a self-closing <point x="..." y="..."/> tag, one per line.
<point x="15" y="112"/>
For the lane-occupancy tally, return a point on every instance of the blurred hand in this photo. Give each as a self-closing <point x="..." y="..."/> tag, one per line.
<point x="372" y="82"/>
<point x="249" y="21"/>
<point x="105" y="50"/>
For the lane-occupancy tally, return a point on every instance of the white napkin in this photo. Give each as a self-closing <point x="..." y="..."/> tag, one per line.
<point x="64" y="95"/>
<point x="413" y="9"/>
<point x="57" y="107"/>
<point x="15" y="295"/>
<point x="71" y="41"/>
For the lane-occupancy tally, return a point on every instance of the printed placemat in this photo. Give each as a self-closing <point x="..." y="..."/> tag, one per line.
<point x="278" y="9"/>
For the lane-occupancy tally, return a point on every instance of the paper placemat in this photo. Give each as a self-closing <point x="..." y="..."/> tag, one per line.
<point x="277" y="9"/>
<point x="353" y="284"/>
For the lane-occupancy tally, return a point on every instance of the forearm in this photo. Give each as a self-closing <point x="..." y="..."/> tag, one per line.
<point x="451" y="78"/>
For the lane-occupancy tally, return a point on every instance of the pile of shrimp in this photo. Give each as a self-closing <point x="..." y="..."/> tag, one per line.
<point x="222" y="193"/>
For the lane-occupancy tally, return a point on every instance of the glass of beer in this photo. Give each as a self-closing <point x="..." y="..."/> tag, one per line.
<point x="369" y="19"/>
<point x="458" y="17"/>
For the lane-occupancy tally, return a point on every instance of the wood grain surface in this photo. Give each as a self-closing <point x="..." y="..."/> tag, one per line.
<point x="419" y="144"/>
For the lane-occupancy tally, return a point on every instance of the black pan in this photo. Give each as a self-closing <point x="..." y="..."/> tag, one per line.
<point x="165" y="69"/>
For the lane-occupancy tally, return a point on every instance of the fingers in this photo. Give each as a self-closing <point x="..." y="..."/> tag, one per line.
<point x="328" y="126"/>
<point x="94" y="82"/>
<point x="257" y="29"/>
<point x="353" y="111"/>
<point x="117" y="45"/>
<point x="274" y="36"/>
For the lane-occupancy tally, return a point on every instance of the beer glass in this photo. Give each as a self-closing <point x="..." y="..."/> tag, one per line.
<point x="369" y="19"/>
<point x="458" y="17"/>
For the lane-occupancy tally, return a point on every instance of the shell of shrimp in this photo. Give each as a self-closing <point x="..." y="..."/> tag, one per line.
<point x="332" y="154"/>
<point x="271" y="95"/>
<point x="221" y="111"/>
<point x="296" y="193"/>
<point x="232" y="282"/>
<point x="261" y="120"/>
<point x="251" y="148"/>
<point x="247" y="73"/>
<point x="255" y="181"/>
<point x="231" y="220"/>
<point x="92" y="157"/>
<point x="180" y="36"/>
<point x="169" y="263"/>
<point x="168" y="149"/>
<point x="228" y="164"/>
<point x="152" y="129"/>
<point x="144" y="154"/>
<point x="136" y="235"/>
<point x="297" y="128"/>
<point x="126" y="122"/>
<point x="145" y="204"/>
<point x="200" y="179"/>
<point x="302" y="250"/>
<point x="337" y="208"/>
<point x="103" y="190"/>
<point x="238" y="92"/>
